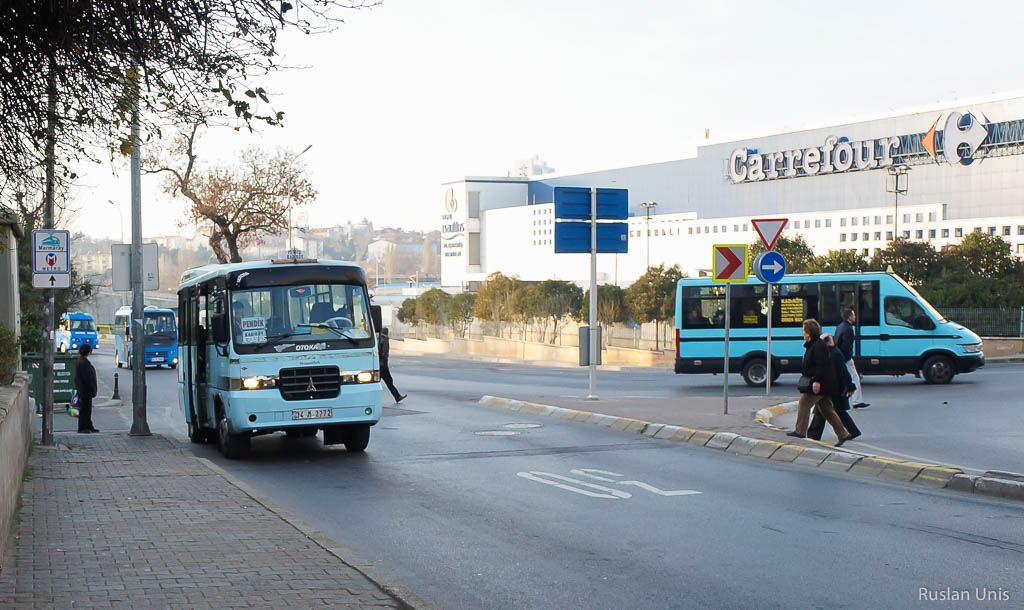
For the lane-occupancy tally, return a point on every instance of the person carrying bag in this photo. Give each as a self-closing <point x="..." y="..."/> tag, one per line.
<point x="821" y="382"/>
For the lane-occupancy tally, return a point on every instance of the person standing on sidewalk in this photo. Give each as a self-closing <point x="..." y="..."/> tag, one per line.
<point x="817" y="366"/>
<point x="385" y="372"/>
<point x="844" y="343"/>
<point x="840" y="400"/>
<point x="85" y="383"/>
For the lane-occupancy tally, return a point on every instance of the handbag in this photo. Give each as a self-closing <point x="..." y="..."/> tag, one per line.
<point x="804" y="384"/>
<point x="73" y="406"/>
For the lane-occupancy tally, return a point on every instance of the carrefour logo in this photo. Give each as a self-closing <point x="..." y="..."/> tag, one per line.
<point x="962" y="136"/>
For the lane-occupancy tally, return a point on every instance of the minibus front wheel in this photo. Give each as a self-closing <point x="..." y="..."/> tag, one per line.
<point x="938" y="369"/>
<point x="231" y="446"/>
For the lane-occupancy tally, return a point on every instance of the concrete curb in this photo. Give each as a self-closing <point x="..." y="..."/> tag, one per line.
<point x="404" y="596"/>
<point x="997" y="484"/>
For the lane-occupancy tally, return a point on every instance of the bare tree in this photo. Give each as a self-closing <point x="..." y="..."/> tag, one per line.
<point x="237" y="204"/>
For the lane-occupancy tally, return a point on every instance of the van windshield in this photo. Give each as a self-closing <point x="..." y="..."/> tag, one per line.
<point x="160" y="324"/>
<point x="309" y="317"/>
<point x="82" y="325"/>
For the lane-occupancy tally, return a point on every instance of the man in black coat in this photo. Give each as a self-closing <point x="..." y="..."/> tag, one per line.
<point x="844" y="343"/>
<point x="85" y="383"/>
<point x="385" y="372"/>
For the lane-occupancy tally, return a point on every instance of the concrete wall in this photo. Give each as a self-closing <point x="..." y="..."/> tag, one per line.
<point x="524" y="350"/>
<point x="1003" y="347"/>
<point x="15" y="432"/>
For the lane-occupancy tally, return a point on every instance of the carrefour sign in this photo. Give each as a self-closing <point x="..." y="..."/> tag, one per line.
<point x="962" y="137"/>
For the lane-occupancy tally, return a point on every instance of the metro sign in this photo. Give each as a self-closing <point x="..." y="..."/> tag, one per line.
<point x="729" y="263"/>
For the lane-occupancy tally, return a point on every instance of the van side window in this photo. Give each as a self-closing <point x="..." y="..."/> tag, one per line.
<point x="794" y="304"/>
<point x="867" y="313"/>
<point x="901" y="311"/>
<point x="749" y="307"/>
<point x="703" y="307"/>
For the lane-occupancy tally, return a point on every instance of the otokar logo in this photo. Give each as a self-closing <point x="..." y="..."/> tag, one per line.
<point x="962" y="136"/>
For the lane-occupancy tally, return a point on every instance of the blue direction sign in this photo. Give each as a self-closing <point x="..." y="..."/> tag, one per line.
<point x="573" y="203"/>
<point x="770" y="267"/>
<point x="574" y="237"/>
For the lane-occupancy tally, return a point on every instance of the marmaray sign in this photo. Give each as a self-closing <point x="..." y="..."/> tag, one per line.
<point x="961" y="139"/>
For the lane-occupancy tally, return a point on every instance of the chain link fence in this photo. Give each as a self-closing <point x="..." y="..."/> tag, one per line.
<point x="988" y="322"/>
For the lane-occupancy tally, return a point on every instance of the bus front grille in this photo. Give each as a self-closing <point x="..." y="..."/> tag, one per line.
<point x="309" y="383"/>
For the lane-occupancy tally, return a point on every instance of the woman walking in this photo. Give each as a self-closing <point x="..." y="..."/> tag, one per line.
<point x="841" y="399"/>
<point x="817" y="369"/>
<point x="85" y="382"/>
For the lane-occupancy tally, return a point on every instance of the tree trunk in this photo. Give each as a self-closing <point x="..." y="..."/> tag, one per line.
<point x="657" y="336"/>
<point x="216" y="244"/>
<point x="232" y="241"/>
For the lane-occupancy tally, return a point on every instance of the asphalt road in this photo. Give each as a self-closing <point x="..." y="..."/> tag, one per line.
<point x="473" y="507"/>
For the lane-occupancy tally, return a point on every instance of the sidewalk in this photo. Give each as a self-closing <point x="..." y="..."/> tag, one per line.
<point x="110" y="520"/>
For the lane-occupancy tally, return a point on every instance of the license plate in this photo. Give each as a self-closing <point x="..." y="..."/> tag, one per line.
<point x="312" y="413"/>
<point x="157" y="359"/>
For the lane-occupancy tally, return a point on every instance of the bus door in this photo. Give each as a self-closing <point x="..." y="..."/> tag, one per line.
<point x="187" y="365"/>
<point x="863" y="297"/>
<point x="906" y="331"/>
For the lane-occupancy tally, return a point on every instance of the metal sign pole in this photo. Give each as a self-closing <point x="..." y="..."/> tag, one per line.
<point x="48" y="303"/>
<point x="725" y="367"/>
<point x="768" y="377"/>
<point x="594" y="346"/>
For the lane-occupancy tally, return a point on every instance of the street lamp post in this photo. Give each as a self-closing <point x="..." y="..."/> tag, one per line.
<point x="647" y="205"/>
<point x="290" y="200"/>
<point x="896" y="183"/>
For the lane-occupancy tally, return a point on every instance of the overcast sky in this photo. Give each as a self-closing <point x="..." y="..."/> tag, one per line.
<point x="416" y="92"/>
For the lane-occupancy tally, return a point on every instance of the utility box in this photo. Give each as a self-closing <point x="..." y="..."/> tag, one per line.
<point x="585" y="345"/>
<point x="63" y="376"/>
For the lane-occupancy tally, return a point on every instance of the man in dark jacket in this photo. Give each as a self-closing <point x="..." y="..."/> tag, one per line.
<point x="844" y="343"/>
<point x="840" y="400"/>
<point x="385" y="372"/>
<point x="85" y="383"/>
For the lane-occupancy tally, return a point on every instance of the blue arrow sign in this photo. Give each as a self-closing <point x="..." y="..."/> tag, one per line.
<point x="574" y="203"/>
<point x="574" y="237"/>
<point x="770" y="267"/>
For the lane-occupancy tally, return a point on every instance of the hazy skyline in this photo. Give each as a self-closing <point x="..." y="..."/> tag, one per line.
<point x="414" y="93"/>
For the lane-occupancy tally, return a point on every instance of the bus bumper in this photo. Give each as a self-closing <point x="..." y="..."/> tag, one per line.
<point x="966" y="364"/>
<point x="265" y="410"/>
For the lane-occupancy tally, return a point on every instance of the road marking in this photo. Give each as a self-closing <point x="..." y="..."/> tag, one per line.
<point x="594" y="473"/>
<point x="497" y="433"/>
<point x="613" y="494"/>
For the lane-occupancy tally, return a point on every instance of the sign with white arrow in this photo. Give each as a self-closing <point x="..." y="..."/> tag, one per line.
<point x="769" y="267"/>
<point x="769" y="229"/>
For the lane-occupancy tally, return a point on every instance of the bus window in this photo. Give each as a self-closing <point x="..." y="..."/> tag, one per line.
<point x="830" y="304"/>
<point x="703" y="307"/>
<point x="901" y="311"/>
<point x="867" y="314"/>
<point x="795" y="303"/>
<point x="749" y="307"/>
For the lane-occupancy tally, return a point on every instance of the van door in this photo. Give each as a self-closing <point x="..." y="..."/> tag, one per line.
<point x="906" y="333"/>
<point x="866" y="347"/>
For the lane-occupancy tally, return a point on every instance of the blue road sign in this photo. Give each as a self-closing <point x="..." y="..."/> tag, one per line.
<point x="573" y="203"/>
<point x="574" y="237"/>
<point x="770" y="267"/>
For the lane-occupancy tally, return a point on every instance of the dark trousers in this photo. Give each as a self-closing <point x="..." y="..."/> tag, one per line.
<point x="818" y="423"/>
<point x="385" y="375"/>
<point x="84" y="413"/>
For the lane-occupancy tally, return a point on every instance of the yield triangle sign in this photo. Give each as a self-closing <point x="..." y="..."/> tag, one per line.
<point x="769" y="229"/>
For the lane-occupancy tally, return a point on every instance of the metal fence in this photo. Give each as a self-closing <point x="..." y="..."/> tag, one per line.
<point x="988" y="322"/>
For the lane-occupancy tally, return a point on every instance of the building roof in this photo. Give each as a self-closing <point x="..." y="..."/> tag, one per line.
<point x="11" y="220"/>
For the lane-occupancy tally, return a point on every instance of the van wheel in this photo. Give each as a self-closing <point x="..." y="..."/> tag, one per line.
<point x="231" y="446"/>
<point x="755" y="371"/>
<point x="938" y="369"/>
<point x="357" y="438"/>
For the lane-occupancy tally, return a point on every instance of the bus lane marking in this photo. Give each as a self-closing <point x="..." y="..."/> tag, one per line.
<point x="603" y="492"/>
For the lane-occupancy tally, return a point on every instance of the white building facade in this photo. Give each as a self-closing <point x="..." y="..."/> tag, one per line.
<point x="964" y="166"/>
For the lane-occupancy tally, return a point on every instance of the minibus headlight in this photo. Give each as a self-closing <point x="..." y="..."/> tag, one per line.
<point x="349" y="377"/>
<point x="258" y="382"/>
<point x="972" y="348"/>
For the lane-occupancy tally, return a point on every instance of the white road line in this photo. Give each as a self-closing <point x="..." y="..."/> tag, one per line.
<point x="613" y="494"/>
<point x="660" y="492"/>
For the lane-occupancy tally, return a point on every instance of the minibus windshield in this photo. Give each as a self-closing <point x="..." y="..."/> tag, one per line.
<point x="309" y="317"/>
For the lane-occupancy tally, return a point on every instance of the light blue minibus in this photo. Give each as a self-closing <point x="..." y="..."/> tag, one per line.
<point x="76" y="329"/>
<point x="897" y="331"/>
<point x="278" y="346"/>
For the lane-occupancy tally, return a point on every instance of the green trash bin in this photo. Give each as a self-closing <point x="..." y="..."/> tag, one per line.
<point x="63" y="376"/>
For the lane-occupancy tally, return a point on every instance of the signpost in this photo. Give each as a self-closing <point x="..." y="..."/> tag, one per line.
<point x="728" y="266"/>
<point x="592" y="204"/>
<point x="770" y="267"/>
<point x="51" y="259"/>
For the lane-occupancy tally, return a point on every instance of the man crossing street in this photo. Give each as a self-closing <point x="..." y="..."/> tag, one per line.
<point x="844" y="343"/>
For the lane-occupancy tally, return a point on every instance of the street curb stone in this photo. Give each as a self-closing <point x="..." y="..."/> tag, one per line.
<point x="993" y="483"/>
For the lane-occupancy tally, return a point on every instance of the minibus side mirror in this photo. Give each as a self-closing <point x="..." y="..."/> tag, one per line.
<point x="219" y="325"/>
<point x="377" y="317"/>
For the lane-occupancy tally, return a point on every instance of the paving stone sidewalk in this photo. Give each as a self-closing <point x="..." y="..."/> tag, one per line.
<point x="110" y="520"/>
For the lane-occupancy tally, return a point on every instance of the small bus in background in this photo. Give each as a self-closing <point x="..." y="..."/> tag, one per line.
<point x="161" y="337"/>
<point x="76" y="329"/>
<point x="897" y="331"/>
<point x="285" y="345"/>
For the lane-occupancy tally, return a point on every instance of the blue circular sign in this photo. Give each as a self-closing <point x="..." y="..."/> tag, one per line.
<point x="770" y="267"/>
